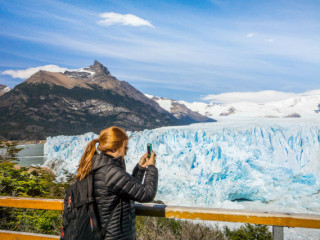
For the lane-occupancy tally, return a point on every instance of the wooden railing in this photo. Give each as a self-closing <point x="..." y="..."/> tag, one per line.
<point x="277" y="220"/>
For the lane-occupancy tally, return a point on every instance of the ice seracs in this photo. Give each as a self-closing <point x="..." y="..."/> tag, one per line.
<point x="220" y="164"/>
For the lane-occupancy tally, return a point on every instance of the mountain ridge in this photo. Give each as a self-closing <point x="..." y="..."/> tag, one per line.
<point x="94" y="74"/>
<point x="50" y="104"/>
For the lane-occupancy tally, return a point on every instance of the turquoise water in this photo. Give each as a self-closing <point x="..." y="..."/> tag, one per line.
<point x="31" y="154"/>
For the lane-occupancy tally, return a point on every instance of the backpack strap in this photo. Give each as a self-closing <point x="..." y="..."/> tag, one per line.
<point x="90" y="202"/>
<point x="104" y="230"/>
<point x="80" y="203"/>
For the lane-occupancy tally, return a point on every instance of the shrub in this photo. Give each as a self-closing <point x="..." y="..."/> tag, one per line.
<point x="249" y="232"/>
<point x="168" y="229"/>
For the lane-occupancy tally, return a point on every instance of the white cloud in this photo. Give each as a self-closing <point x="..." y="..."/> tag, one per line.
<point x="312" y="92"/>
<point x="256" y="97"/>
<point x="148" y="95"/>
<point x="26" y="73"/>
<point x="269" y="40"/>
<point x="249" y="35"/>
<point x="111" y="18"/>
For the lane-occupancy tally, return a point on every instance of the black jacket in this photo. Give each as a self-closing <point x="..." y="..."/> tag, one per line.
<point x="115" y="191"/>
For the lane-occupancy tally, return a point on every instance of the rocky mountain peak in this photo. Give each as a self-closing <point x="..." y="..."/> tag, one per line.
<point x="97" y="67"/>
<point x="88" y="73"/>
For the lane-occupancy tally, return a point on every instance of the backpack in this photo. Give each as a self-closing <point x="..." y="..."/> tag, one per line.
<point x="80" y="218"/>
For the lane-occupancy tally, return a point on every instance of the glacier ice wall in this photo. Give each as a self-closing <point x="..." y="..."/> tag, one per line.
<point x="212" y="163"/>
<point x="64" y="153"/>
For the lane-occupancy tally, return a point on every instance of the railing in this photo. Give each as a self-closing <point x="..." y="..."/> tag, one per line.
<point x="277" y="220"/>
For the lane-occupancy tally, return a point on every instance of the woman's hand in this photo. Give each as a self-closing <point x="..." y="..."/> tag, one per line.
<point x="143" y="160"/>
<point x="152" y="159"/>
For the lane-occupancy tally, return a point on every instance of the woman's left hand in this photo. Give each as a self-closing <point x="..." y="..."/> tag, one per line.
<point x="143" y="160"/>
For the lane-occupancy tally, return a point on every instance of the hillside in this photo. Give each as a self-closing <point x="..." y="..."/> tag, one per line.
<point x="90" y="99"/>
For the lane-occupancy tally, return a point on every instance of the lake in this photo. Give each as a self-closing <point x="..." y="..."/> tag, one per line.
<point x="31" y="154"/>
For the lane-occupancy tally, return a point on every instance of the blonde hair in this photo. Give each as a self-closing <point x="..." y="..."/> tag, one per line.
<point x="110" y="139"/>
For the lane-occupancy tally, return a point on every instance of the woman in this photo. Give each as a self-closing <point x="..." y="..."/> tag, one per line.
<point x="116" y="190"/>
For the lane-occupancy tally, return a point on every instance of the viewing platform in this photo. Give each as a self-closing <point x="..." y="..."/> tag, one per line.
<point x="275" y="219"/>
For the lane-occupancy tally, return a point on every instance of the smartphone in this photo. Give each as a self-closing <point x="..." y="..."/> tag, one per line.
<point x="149" y="149"/>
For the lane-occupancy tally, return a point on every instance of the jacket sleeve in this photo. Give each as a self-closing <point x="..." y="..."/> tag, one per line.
<point x="138" y="172"/>
<point x="122" y="183"/>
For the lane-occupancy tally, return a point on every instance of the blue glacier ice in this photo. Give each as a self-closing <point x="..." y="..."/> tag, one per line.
<point x="220" y="164"/>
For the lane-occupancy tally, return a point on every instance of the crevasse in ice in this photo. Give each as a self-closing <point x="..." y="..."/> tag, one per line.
<point x="211" y="163"/>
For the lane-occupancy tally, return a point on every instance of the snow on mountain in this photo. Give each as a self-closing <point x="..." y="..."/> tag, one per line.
<point x="4" y="89"/>
<point x="252" y="104"/>
<point x="79" y="73"/>
<point x="88" y="72"/>
<point x="303" y="106"/>
<point x="256" y="97"/>
<point x="220" y="164"/>
<point x="165" y="103"/>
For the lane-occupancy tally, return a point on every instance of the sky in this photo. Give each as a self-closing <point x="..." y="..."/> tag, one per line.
<point x="183" y="49"/>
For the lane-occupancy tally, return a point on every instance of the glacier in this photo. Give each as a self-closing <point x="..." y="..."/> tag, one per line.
<point x="275" y="162"/>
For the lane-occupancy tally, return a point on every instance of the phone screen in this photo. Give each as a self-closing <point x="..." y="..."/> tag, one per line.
<point x="149" y="149"/>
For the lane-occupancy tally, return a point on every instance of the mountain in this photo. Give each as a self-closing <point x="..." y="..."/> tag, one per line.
<point x="74" y="102"/>
<point x="180" y="111"/>
<point x="100" y="75"/>
<point x="4" y="89"/>
<point x="302" y="106"/>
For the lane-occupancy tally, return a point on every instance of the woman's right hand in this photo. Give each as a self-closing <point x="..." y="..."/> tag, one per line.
<point x="152" y="159"/>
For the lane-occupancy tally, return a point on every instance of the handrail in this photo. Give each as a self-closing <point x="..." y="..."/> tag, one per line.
<point x="36" y="203"/>
<point x="12" y="235"/>
<point x="212" y="214"/>
<point x="230" y="215"/>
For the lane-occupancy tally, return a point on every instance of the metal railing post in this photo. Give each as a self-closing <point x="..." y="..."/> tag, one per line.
<point x="277" y="233"/>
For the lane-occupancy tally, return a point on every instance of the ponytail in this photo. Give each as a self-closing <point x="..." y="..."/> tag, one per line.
<point x="85" y="164"/>
<point x="110" y="139"/>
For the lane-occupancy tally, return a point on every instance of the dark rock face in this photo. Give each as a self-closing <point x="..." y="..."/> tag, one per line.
<point x="231" y="110"/>
<point x="98" y="68"/>
<point x="77" y="74"/>
<point x="51" y="104"/>
<point x="293" y="115"/>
